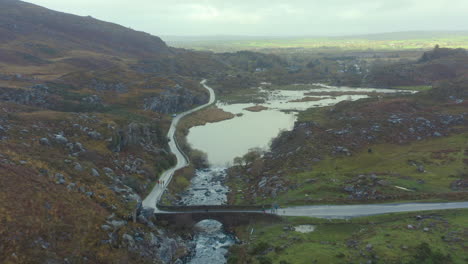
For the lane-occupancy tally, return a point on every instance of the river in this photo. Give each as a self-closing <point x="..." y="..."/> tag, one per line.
<point x="225" y="140"/>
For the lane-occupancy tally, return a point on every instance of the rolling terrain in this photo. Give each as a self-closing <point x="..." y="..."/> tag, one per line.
<point x="85" y="107"/>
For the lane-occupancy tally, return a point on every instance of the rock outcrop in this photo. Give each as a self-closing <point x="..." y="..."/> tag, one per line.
<point x="173" y="100"/>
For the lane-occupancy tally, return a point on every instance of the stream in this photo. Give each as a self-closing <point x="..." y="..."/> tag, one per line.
<point x="246" y="131"/>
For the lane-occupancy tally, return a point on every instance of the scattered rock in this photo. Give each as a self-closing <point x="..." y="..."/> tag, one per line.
<point x="61" y="139"/>
<point x="95" y="172"/>
<point x="78" y="167"/>
<point x="44" y="141"/>
<point x="459" y="185"/>
<point x="79" y="147"/>
<point x="117" y="224"/>
<point x="106" y="227"/>
<point x="173" y="100"/>
<point x="71" y="186"/>
<point x="95" y="135"/>
<point x="129" y="240"/>
<point x="421" y="169"/>
<point x="59" y="178"/>
<point x="92" y="99"/>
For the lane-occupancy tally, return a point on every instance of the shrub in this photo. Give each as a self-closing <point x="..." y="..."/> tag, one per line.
<point x="424" y="254"/>
<point x="259" y="248"/>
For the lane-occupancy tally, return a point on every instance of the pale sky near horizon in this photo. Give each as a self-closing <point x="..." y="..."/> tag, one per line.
<point x="271" y="17"/>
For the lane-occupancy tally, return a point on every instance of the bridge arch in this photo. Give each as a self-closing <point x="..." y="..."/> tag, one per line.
<point x="228" y="219"/>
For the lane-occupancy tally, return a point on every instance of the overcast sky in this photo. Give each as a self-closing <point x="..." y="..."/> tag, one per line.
<point x="272" y="17"/>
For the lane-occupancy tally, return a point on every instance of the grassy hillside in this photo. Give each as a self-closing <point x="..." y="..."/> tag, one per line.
<point x="397" y="148"/>
<point x="427" y="237"/>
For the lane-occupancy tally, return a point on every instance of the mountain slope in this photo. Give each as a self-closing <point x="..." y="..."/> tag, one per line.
<point x="85" y="107"/>
<point x="20" y="21"/>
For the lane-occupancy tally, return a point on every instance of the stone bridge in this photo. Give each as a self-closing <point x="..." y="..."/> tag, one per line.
<point x="229" y="216"/>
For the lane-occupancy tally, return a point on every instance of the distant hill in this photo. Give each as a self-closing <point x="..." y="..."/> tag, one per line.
<point x="384" y="41"/>
<point x="439" y="64"/>
<point x="54" y="32"/>
<point x="408" y="35"/>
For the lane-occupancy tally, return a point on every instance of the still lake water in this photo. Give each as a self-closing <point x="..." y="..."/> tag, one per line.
<point x="225" y="140"/>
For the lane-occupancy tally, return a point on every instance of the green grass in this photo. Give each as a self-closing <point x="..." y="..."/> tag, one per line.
<point x="391" y="163"/>
<point x="392" y="241"/>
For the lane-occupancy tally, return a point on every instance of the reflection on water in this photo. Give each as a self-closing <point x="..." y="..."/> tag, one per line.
<point x="225" y="140"/>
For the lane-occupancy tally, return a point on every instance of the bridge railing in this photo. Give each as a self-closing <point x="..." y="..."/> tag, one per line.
<point x="192" y="208"/>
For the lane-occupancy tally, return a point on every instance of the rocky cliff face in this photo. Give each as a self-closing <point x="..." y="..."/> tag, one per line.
<point x="173" y="100"/>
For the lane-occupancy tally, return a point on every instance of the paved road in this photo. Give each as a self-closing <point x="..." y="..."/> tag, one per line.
<point x="346" y="211"/>
<point x="319" y="211"/>
<point x="340" y="211"/>
<point x="153" y="198"/>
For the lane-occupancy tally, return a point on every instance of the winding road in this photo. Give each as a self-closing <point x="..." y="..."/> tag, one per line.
<point x="319" y="211"/>
<point x="182" y="161"/>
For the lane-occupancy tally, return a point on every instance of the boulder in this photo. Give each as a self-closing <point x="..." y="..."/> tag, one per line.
<point x="79" y="147"/>
<point x="95" y="172"/>
<point x="59" y="178"/>
<point x="71" y="186"/>
<point x="44" y="141"/>
<point x="128" y="239"/>
<point x="61" y="139"/>
<point x="117" y="224"/>
<point x="421" y="169"/>
<point x="78" y="167"/>
<point x="95" y="135"/>
<point x="167" y="250"/>
<point x="106" y="227"/>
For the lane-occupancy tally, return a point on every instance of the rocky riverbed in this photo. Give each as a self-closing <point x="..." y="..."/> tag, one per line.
<point x="211" y="243"/>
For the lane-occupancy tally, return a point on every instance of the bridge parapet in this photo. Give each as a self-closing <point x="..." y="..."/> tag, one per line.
<point x="228" y="219"/>
<point x="191" y="208"/>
